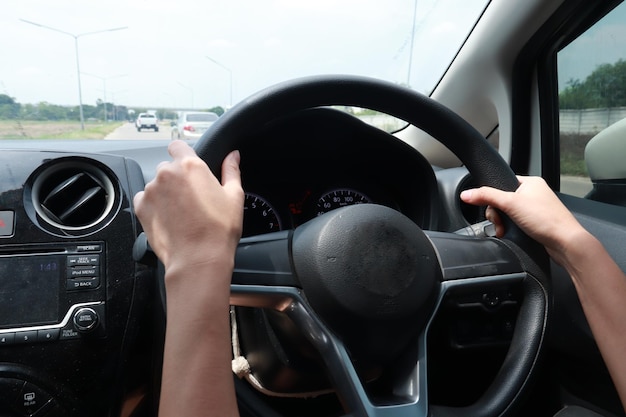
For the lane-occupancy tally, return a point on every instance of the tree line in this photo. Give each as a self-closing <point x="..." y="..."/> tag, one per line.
<point x="10" y="109"/>
<point x="605" y="87"/>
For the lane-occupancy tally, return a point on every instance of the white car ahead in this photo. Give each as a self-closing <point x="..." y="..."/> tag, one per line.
<point x="191" y="125"/>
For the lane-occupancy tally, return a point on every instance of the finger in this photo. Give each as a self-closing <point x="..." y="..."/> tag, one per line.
<point x="140" y="207"/>
<point x="179" y="149"/>
<point x="494" y="217"/>
<point x="231" y="175"/>
<point x="491" y="214"/>
<point x="161" y="165"/>
<point x="137" y="199"/>
<point x="485" y="196"/>
<point x="526" y="178"/>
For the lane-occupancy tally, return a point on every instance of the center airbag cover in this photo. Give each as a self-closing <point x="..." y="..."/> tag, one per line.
<point x="369" y="272"/>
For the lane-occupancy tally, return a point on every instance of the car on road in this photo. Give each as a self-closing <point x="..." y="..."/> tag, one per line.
<point x="192" y="124"/>
<point x="147" y="121"/>
<point x="358" y="288"/>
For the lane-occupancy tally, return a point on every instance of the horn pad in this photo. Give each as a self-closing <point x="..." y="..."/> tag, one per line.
<point x="371" y="274"/>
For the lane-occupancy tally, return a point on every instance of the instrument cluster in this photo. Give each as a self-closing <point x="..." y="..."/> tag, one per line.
<point x="316" y="161"/>
<point x="262" y="216"/>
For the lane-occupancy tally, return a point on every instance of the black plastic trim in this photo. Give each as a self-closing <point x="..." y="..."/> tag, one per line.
<point x="538" y="58"/>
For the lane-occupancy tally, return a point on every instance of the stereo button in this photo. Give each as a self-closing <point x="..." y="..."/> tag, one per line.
<point x="7" y="339"/>
<point x="83" y="284"/>
<point x="26" y="337"/>
<point x="85" y="320"/>
<point x="82" y="272"/>
<point x="89" y="248"/>
<point x="83" y="260"/>
<point x="47" y="335"/>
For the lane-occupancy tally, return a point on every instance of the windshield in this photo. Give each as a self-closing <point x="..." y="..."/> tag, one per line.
<point x="68" y="60"/>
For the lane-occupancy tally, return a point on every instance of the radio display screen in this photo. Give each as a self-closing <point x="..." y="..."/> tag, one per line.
<point x="29" y="289"/>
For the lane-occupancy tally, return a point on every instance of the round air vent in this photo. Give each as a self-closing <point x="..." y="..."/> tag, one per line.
<point x="472" y="214"/>
<point x="73" y="195"/>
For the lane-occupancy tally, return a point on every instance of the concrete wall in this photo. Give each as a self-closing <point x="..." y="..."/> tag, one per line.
<point x="589" y="121"/>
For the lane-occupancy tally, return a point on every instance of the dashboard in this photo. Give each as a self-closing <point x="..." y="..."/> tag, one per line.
<point x="81" y="321"/>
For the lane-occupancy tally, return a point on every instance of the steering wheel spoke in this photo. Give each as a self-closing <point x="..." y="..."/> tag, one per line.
<point x="408" y="395"/>
<point x="468" y="257"/>
<point x="264" y="260"/>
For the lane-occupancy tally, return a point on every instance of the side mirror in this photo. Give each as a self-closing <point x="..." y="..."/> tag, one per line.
<point x="604" y="155"/>
<point x="172" y="123"/>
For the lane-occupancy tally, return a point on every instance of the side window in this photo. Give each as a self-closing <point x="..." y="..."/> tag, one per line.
<point x="592" y="111"/>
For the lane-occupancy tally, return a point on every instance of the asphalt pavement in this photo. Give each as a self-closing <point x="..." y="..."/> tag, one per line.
<point x="576" y="186"/>
<point x="128" y="131"/>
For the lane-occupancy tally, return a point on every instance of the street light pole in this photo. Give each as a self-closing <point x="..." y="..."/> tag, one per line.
<point x="230" y="73"/>
<point x="190" y="91"/>
<point x="408" y="75"/>
<point x="76" y="36"/>
<point x="115" y="105"/>
<point x="104" y="91"/>
<point x="80" y="91"/>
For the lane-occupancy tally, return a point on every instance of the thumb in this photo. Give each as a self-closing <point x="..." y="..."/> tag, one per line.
<point x="231" y="175"/>
<point x="485" y="196"/>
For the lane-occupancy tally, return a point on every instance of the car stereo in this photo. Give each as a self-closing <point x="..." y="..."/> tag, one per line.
<point x="51" y="292"/>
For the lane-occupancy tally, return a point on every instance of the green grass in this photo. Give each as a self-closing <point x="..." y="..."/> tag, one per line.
<point x="573" y="154"/>
<point x="573" y="165"/>
<point x="66" y="129"/>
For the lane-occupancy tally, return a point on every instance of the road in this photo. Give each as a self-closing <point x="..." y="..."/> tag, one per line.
<point x="128" y="131"/>
<point x="577" y="186"/>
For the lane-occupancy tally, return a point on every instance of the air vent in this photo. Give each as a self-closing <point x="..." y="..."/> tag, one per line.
<point x="73" y="195"/>
<point x="471" y="213"/>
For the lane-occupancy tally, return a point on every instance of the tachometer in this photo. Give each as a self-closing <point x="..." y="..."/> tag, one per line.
<point x="340" y="198"/>
<point x="259" y="216"/>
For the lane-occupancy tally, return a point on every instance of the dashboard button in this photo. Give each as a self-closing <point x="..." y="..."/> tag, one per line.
<point x="29" y="336"/>
<point x="86" y="319"/>
<point x="78" y="284"/>
<point x="83" y="260"/>
<point x="47" y="335"/>
<point x="7" y="339"/>
<point x="89" y="248"/>
<point x="82" y="271"/>
<point x="32" y="399"/>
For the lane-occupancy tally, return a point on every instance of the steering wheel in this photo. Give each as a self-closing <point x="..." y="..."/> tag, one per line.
<point x="363" y="283"/>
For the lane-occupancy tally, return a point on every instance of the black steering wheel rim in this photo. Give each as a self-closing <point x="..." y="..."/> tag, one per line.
<point x="482" y="160"/>
<point x="299" y="94"/>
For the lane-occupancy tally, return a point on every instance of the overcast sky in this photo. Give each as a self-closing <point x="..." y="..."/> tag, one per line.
<point x="159" y="59"/>
<point x="603" y="43"/>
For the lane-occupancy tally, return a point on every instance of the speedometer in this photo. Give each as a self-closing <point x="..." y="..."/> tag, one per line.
<point x="259" y="216"/>
<point x="340" y="198"/>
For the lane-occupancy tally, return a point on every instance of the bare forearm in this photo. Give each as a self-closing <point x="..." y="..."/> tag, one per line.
<point x="197" y="376"/>
<point x="601" y="288"/>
